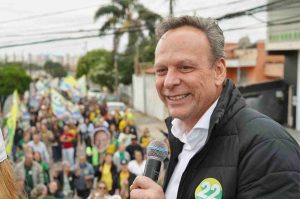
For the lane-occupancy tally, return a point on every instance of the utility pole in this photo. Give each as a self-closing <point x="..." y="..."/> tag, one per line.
<point x="171" y="8"/>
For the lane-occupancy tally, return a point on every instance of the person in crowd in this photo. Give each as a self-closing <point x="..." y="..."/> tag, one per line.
<point x="67" y="140"/>
<point x="53" y="191"/>
<point x="107" y="172"/>
<point x="125" y="137"/>
<point x="74" y="131"/>
<point x="18" y="136"/>
<point x="145" y="139"/>
<point x="119" y="155"/>
<point x="111" y="119"/>
<point x="137" y="166"/>
<point x="117" y="118"/>
<point x="84" y="175"/>
<point x="39" y="192"/>
<point x="220" y="147"/>
<point x="91" y="129"/>
<point x="123" y="123"/>
<point x="83" y="130"/>
<point x="20" y="186"/>
<point x="100" y="192"/>
<point x="46" y="135"/>
<point x="134" y="146"/>
<point x="114" y="131"/>
<point x="92" y="154"/>
<point x="31" y="171"/>
<point x="56" y="144"/>
<point x="25" y="140"/>
<point x="22" y="145"/>
<point x="37" y="145"/>
<point x="132" y="127"/>
<point x="114" y="142"/>
<point x="44" y="165"/>
<point x="67" y="180"/>
<point x="125" y="178"/>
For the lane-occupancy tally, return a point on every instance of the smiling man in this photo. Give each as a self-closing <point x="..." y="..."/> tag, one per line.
<point x="220" y="148"/>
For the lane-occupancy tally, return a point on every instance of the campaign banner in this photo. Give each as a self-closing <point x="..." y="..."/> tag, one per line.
<point x="63" y="108"/>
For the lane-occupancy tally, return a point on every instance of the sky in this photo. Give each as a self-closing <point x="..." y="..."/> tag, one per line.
<point x="23" y="21"/>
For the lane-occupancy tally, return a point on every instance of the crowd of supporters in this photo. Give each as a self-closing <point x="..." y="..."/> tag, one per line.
<point x="95" y="157"/>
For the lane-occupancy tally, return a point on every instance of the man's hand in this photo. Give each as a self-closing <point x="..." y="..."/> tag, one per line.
<point x="145" y="188"/>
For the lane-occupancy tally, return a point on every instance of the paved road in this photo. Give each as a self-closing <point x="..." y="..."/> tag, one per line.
<point x="154" y="125"/>
<point x="295" y="134"/>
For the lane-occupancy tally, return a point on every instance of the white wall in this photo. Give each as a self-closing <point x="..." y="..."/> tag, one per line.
<point x="298" y="95"/>
<point x="146" y="98"/>
<point x="154" y="105"/>
<point x="138" y="93"/>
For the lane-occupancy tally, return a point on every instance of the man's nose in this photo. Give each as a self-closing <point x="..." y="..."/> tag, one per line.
<point x="172" y="79"/>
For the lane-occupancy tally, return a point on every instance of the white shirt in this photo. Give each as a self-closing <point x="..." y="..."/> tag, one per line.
<point x="193" y="142"/>
<point x="137" y="169"/>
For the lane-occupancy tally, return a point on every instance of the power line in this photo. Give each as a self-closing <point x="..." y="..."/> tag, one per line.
<point x="132" y="30"/>
<point x="232" y="15"/>
<point x="47" y="14"/>
<point x="211" y="6"/>
<point x="69" y="38"/>
<point x="266" y="7"/>
<point x="133" y="26"/>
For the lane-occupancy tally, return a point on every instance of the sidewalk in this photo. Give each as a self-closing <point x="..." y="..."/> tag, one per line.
<point x="154" y="125"/>
<point x="295" y="134"/>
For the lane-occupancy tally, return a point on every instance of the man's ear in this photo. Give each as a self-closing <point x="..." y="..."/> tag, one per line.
<point x="220" y="71"/>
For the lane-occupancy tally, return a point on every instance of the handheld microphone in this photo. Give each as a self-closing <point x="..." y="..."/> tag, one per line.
<point x="157" y="151"/>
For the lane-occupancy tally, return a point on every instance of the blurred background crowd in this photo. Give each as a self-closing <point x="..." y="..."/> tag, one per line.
<point x="96" y="155"/>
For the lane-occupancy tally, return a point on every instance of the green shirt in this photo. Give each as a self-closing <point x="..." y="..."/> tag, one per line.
<point x="45" y="169"/>
<point x="95" y="154"/>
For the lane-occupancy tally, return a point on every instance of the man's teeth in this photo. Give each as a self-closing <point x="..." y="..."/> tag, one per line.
<point x="177" y="97"/>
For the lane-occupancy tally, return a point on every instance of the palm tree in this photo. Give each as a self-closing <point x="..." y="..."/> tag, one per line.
<point x="126" y="16"/>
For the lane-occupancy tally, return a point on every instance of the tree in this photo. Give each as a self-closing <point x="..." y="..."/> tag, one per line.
<point x="121" y="19"/>
<point x="12" y="77"/>
<point x="97" y="65"/>
<point x="55" y="69"/>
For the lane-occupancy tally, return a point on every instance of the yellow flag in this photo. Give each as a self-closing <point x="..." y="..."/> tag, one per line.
<point x="12" y="121"/>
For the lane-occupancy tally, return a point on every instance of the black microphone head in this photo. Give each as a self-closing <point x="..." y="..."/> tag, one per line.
<point x="157" y="150"/>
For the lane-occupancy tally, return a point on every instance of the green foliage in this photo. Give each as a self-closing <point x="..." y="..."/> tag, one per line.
<point x="55" y="69"/>
<point x="129" y="16"/>
<point x="97" y="65"/>
<point x="125" y="63"/>
<point x="13" y="76"/>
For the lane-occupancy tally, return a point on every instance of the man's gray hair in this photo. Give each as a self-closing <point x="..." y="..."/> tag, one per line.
<point x="207" y="25"/>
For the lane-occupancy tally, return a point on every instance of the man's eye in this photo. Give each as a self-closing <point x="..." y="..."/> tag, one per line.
<point x="185" y="69"/>
<point x="160" y="72"/>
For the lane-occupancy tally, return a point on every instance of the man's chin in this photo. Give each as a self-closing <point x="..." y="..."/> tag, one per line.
<point x="176" y="114"/>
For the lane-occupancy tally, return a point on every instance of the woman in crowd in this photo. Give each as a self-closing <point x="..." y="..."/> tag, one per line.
<point x="137" y="166"/>
<point x="107" y="173"/>
<point x="44" y="165"/>
<point x="100" y="192"/>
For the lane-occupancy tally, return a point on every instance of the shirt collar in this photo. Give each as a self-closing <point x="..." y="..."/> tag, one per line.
<point x="191" y="138"/>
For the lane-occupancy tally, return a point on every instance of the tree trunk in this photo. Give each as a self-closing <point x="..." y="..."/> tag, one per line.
<point x="116" y="40"/>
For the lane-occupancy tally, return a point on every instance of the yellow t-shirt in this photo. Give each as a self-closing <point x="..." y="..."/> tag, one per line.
<point x="145" y="141"/>
<point x="122" y="125"/>
<point x="107" y="176"/>
<point x="124" y="176"/>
